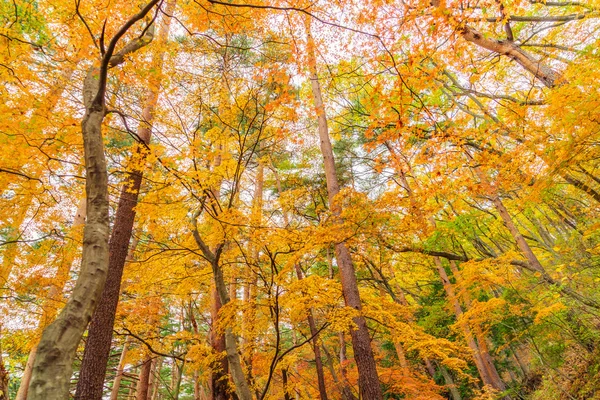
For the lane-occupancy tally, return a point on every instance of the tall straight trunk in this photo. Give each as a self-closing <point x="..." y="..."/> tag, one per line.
<point x="97" y="349"/>
<point x="117" y="382"/>
<point x="153" y="381"/>
<point x="144" y="380"/>
<point x="361" y="341"/>
<point x="156" y="386"/>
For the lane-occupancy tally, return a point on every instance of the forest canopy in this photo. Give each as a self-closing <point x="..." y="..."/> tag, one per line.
<point x="269" y="199"/>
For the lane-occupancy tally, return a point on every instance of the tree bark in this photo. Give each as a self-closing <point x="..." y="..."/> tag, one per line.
<point x="117" y="382"/>
<point x="361" y="341"/>
<point x="97" y="349"/>
<point x="3" y="378"/>
<point x="52" y="368"/>
<point x="450" y="384"/>
<point x="218" y="379"/>
<point x="53" y="364"/>
<point x="231" y="347"/>
<point x="52" y="304"/>
<point x="479" y="363"/>
<point x="486" y="357"/>
<point x="144" y="380"/>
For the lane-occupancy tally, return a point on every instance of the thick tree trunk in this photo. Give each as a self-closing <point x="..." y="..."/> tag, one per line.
<point x="97" y="349"/>
<point x="361" y="341"/>
<point x="52" y="368"/>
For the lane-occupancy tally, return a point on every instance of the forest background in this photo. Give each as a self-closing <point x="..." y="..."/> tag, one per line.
<point x="299" y="200"/>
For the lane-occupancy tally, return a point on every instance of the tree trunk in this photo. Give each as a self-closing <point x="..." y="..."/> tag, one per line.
<point x="52" y="368"/>
<point x="218" y="379"/>
<point x="233" y="357"/>
<point x="51" y="306"/>
<point x="483" y="372"/>
<point x="117" y="382"/>
<point x="311" y="320"/>
<point x="284" y="380"/>
<point x="97" y="349"/>
<point x="361" y="341"/>
<point x="144" y="381"/>
<point x="486" y="357"/>
<point x="3" y="378"/>
<point x="316" y="349"/>
<point x="450" y="384"/>
<point x="58" y="345"/>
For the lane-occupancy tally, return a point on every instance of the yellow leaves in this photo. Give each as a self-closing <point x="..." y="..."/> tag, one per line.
<point x="312" y="292"/>
<point x="484" y="313"/>
<point x="341" y="319"/>
<point x="546" y="311"/>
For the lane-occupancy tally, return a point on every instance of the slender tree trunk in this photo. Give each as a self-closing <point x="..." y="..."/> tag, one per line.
<point x="3" y="378"/>
<point x="533" y="263"/>
<point x="233" y="357"/>
<point x="450" y="384"/>
<point x="97" y="349"/>
<point x="486" y="357"/>
<point x="218" y="379"/>
<point x="144" y="381"/>
<point x="231" y="347"/>
<point x="361" y="341"/>
<point x="156" y="387"/>
<point x="117" y="382"/>
<point x="343" y="387"/>
<point x="153" y="381"/>
<point x="284" y="380"/>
